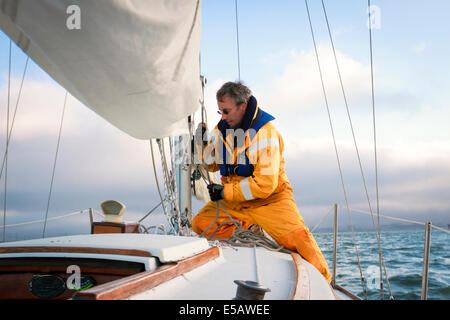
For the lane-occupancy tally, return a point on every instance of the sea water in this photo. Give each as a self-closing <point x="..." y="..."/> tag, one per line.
<point x="402" y="253"/>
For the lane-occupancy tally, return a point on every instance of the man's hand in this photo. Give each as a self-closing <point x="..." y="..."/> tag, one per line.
<point x="215" y="191"/>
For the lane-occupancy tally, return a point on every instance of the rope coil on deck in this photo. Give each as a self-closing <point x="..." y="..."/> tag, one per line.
<point x="248" y="238"/>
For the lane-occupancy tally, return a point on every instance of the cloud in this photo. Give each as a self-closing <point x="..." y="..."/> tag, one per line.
<point x="419" y="48"/>
<point x="340" y="31"/>
<point x="40" y="105"/>
<point x="275" y="57"/>
<point x="298" y="87"/>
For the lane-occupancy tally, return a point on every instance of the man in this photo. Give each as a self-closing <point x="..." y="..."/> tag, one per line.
<point x="255" y="189"/>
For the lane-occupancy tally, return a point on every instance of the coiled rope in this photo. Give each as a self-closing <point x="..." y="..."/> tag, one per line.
<point x="247" y="238"/>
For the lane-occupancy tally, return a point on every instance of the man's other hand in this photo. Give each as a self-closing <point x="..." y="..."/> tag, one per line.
<point x="215" y="191"/>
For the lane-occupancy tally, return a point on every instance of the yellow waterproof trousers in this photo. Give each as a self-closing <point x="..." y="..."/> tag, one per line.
<point x="280" y="219"/>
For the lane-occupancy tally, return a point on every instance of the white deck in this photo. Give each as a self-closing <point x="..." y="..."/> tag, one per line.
<point x="166" y="248"/>
<point x="215" y="280"/>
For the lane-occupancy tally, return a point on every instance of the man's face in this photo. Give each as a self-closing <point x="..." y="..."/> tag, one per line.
<point x="231" y="113"/>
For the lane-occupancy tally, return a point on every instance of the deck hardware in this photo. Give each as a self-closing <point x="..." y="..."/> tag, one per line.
<point x="250" y="290"/>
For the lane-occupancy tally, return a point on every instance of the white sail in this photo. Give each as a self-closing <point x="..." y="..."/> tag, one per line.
<point x="134" y="62"/>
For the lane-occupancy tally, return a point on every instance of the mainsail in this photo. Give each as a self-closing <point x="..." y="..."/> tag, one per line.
<point x="133" y="62"/>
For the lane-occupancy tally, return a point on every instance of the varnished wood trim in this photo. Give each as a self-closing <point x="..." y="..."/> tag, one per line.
<point x="302" y="287"/>
<point x="60" y="264"/>
<point x="110" y="227"/>
<point x="126" y="287"/>
<point x="32" y="249"/>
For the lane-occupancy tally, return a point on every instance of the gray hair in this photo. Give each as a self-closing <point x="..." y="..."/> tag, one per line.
<point x="236" y="90"/>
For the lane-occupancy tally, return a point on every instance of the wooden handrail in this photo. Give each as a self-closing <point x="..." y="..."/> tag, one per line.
<point x="32" y="249"/>
<point x="302" y="288"/>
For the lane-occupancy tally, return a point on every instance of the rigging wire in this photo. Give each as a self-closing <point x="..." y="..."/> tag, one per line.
<point x="54" y="164"/>
<point x="7" y="140"/>
<point x="174" y="218"/>
<point x="9" y="132"/>
<point x="161" y="226"/>
<point x="321" y="220"/>
<point x="205" y="121"/>
<point x="14" y="115"/>
<point x="335" y="147"/>
<point x="376" y="158"/>
<point x="49" y="219"/>
<point x="170" y="187"/>
<point x="150" y="212"/>
<point x="157" y="182"/>
<point x="237" y="40"/>
<point x="354" y="140"/>
<point x="162" y="152"/>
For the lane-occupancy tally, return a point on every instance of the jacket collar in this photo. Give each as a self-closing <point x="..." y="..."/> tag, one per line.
<point x="250" y="114"/>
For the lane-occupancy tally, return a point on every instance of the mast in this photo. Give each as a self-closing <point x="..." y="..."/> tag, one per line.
<point x="183" y="177"/>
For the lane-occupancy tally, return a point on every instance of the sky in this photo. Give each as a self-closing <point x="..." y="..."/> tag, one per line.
<point x="98" y="162"/>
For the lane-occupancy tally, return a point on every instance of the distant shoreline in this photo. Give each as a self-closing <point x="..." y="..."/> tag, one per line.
<point x="389" y="227"/>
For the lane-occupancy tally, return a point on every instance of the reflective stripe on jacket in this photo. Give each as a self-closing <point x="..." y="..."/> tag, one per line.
<point x="268" y="180"/>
